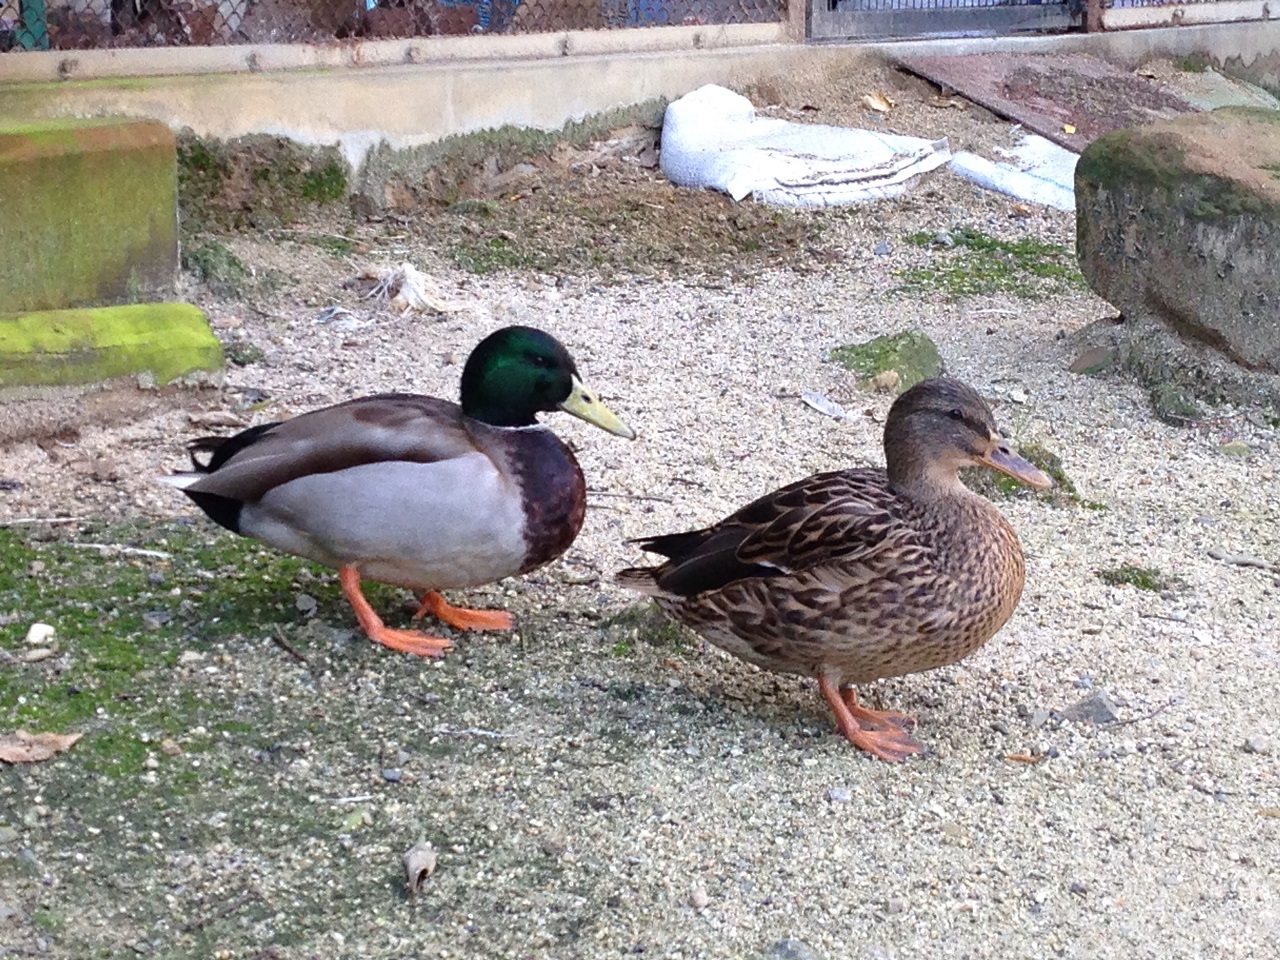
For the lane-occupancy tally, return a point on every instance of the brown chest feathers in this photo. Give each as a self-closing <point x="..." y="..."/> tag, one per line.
<point x="552" y="490"/>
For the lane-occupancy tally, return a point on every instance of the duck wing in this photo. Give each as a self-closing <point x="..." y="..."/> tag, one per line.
<point x="846" y="518"/>
<point x="376" y="429"/>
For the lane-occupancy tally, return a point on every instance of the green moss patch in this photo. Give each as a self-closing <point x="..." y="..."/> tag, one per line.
<point x="1143" y="578"/>
<point x="255" y="181"/>
<point x="968" y="262"/>
<point x="72" y="347"/>
<point x="90" y="213"/>
<point x="910" y="354"/>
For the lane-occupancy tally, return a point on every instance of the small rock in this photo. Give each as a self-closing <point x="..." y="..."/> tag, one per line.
<point x="943" y="239"/>
<point x="839" y="795"/>
<point x="895" y="905"/>
<point x="1099" y="708"/>
<point x="8" y="835"/>
<point x="1038" y="719"/>
<point x="35" y="568"/>
<point x="1235" y="448"/>
<point x="1259" y="745"/>
<point x="155" y="619"/>
<point x="883" y="249"/>
<point x="1094" y="360"/>
<point x="698" y="898"/>
<point x="392" y="775"/>
<point x="1078" y="888"/>
<point x="189" y="657"/>
<point x="39" y="634"/>
<point x="1018" y="395"/>
<point x="306" y="603"/>
<point x="790" y="949"/>
<point x="170" y="748"/>
<point x="38" y="654"/>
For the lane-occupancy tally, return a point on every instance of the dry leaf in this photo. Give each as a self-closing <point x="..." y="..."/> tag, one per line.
<point x="1068" y="128"/>
<point x="1021" y="210"/>
<point x="419" y="863"/>
<point x="23" y="747"/>
<point x="878" y="101"/>
<point x="38" y="654"/>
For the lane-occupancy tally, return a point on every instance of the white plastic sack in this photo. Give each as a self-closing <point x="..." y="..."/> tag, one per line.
<point x="1038" y="171"/>
<point x="713" y="138"/>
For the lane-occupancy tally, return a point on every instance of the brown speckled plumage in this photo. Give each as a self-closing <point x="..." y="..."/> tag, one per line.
<point x="860" y="574"/>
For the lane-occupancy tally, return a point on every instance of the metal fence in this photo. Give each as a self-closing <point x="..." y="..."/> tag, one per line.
<point x="868" y="19"/>
<point x="84" y="24"/>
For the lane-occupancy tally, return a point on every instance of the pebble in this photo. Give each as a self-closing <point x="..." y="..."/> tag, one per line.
<point x="392" y="775"/>
<point x="839" y="795"/>
<point x="155" y="619"/>
<point x="8" y="835"/>
<point x="883" y="249"/>
<point x="306" y="603"/>
<point x="39" y="634"/>
<point x="1259" y="745"/>
<point x="1099" y="708"/>
<point x="698" y="898"/>
<point x="790" y="949"/>
<point x="170" y="748"/>
<point x="188" y="657"/>
<point x="35" y="568"/>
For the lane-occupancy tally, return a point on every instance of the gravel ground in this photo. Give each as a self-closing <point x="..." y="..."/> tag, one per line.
<point x="596" y="785"/>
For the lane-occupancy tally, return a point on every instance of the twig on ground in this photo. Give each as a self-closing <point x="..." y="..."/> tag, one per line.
<point x="1146" y="716"/>
<point x="23" y="521"/>
<point x="471" y="732"/>
<point x="243" y="900"/>
<point x="122" y="549"/>
<point x="278" y="639"/>
<point x="628" y="496"/>
<point x="1240" y="559"/>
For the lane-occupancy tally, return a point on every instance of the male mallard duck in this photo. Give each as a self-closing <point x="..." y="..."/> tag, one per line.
<point x="415" y="491"/>
<point x="860" y="574"/>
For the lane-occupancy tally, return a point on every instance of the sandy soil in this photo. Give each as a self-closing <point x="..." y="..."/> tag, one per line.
<point x="597" y="786"/>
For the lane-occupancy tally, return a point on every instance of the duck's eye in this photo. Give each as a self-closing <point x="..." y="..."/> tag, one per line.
<point x="956" y="414"/>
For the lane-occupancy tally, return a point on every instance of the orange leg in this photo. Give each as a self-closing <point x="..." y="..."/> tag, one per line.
<point x="890" y="744"/>
<point x="875" y="719"/>
<point x="406" y="641"/>
<point x="461" y="618"/>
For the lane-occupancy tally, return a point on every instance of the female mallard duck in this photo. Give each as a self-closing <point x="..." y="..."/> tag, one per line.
<point x="415" y="491"/>
<point x="860" y="574"/>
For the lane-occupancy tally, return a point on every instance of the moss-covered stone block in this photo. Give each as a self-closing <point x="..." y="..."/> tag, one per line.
<point x="90" y="213"/>
<point x="1180" y="220"/>
<point x="910" y="354"/>
<point x="160" y="342"/>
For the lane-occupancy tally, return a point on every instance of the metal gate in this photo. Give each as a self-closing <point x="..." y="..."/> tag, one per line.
<point x="897" y="19"/>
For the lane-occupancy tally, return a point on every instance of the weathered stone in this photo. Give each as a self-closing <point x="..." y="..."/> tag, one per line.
<point x="90" y="213"/>
<point x="1180" y="221"/>
<point x="911" y="355"/>
<point x="160" y="342"/>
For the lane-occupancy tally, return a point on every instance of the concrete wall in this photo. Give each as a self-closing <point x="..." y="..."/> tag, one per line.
<point x="477" y="83"/>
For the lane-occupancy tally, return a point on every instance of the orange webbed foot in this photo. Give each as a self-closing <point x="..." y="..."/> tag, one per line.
<point x="460" y="618"/>
<point x="875" y="719"/>
<point x="882" y="736"/>
<point x="405" y="641"/>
